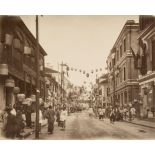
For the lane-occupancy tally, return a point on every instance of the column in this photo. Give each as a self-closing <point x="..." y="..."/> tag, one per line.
<point x="149" y="57"/>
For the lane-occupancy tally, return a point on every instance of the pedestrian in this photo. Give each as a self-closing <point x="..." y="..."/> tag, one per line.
<point x="133" y="113"/>
<point x="100" y="113"/>
<point x="103" y="112"/>
<point x="63" y="117"/>
<point x="58" y="116"/>
<point x="40" y="119"/>
<point x="121" y="113"/>
<point x="20" y="123"/>
<point x="28" y="112"/>
<point x="118" y="116"/>
<point x="125" y="113"/>
<point x="50" y="117"/>
<point x="112" y="115"/>
<point x="91" y="112"/>
<point x="11" y="124"/>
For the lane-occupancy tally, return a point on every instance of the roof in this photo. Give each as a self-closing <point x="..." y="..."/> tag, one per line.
<point x="129" y="24"/>
<point x="49" y="70"/>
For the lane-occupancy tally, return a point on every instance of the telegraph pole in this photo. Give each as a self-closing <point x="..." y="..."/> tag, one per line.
<point x="61" y="81"/>
<point x="114" y="85"/>
<point x="37" y="81"/>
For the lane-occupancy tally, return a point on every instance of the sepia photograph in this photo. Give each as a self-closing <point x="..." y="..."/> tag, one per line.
<point x="77" y="77"/>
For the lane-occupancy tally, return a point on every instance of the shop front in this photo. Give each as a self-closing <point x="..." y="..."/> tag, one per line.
<point x="147" y="98"/>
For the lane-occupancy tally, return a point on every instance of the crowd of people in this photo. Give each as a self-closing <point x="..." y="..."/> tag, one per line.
<point x="21" y="116"/>
<point x="114" y="113"/>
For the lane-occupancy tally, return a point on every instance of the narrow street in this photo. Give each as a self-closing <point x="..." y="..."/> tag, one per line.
<point x="80" y="126"/>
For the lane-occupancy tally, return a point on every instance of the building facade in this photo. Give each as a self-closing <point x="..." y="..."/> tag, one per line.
<point x="58" y="86"/>
<point x="18" y="61"/>
<point x="146" y="66"/>
<point x="103" y="90"/>
<point x="122" y="76"/>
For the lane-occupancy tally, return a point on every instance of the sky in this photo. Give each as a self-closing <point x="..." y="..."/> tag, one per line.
<point x="82" y="42"/>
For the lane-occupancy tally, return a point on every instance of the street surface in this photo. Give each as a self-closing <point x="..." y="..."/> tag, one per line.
<point x="80" y="126"/>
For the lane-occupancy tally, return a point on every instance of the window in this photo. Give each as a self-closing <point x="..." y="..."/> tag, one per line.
<point x="124" y="74"/>
<point x="120" y="51"/>
<point x="117" y="55"/>
<point x="124" y="43"/>
<point x="113" y="62"/>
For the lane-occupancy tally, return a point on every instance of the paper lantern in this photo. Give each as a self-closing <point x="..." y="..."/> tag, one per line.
<point x="16" y="43"/>
<point x="87" y="75"/>
<point x="33" y="98"/>
<point x="27" y="50"/>
<point x="67" y="68"/>
<point x="16" y="90"/>
<point x="27" y="101"/>
<point x="9" y="83"/>
<point x="8" y="39"/>
<point x="4" y="69"/>
<point x="21" y="96"/>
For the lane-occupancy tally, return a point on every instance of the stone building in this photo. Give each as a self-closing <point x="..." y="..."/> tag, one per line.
<point x="146" y="65"/>
<point x="18" y="61"/>
<point x="122" y="76"/>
